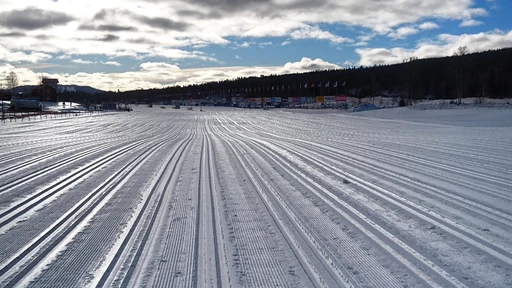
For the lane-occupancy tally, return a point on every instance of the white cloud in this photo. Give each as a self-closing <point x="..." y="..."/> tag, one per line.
<point x="19" y="56"/>
<point x="80" y="61"/>
<point x="285" y="43"/>
<point x="470" y="23"/>
<point x="244" y="45"/>
<point x="403" y="32"/>
<point x="237" y="57"/>
<point x="158" y="66"/>
<point x="64" y="57"/>
<point x="264" y="44"/>
<point x="445" y="45"/>
<point x="360" y="44"/>
<point x="113" y="63"/>
<point x="161" y="74"/>
<point x="428" y="26"/>
<point x="309" y="32"/>
<point x="122" y="28"/>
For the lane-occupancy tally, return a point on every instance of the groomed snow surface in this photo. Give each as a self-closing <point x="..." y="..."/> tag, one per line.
<point x="251" y="198"/>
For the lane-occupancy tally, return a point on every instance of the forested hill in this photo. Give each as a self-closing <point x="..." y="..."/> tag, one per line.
<point x="487" y="74"/>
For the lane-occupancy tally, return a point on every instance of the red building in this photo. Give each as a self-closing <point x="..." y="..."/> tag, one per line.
<point x="46" y="91"/>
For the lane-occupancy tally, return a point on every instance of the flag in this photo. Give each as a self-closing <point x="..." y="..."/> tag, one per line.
<point x="344" y="83"/>
<point x="320" y="85"/>
<point x="335" y="84"/>
<point x="313" y="85"/>
<point x="327" y="84"/>
<point x="283" y="86"/>
<point x="306" y="85"/>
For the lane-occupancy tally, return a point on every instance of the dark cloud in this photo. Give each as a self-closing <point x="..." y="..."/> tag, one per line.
<point x="141" y="41"/>
<point x="264" y="8"/>
<point x="33" y="18"/>
<point x="106" y="27"/>
<point x="108" y="14"/>
<point x="196" y="14"/>
<point x="100" y="15"/>
<point x="115" y="28"/>
<point x="157" y="22"/>
<point x="86" y="27"/>
<point x="12" y="34"/>
<point x="164" y="23"/>
<point x="42" y="37"/>
<point x="109" y="38"/>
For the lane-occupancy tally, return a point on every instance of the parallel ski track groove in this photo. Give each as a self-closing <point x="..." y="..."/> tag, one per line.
<point x="332" y="154"/>
<point x="468" y="240"/>
<point x="297" y="219"/>
<point x="448" y="225"/>
<point x="106" y="229"/>
<point x="50" y="191"/>
<point x="23" y="179"/>
<point x="302" y="219"/>
<point x="55" y="151"/>
<point x="197" y="225"/>
<point x="468" y="204"/>
<point x="292" y="242"/>
<point x="147" y="232"/>
<point x="370" y="224"/>
<point x="80" y="217"/>
<point x="214" y="211"/>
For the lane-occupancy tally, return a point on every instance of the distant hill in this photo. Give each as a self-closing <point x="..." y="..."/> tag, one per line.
<point x="62" y="88"/>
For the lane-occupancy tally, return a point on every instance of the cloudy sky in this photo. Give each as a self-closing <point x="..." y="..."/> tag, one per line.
<point x="132" y="44"/>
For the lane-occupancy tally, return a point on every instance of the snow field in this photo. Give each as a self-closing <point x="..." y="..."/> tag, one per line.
<point x="230" y="197"/>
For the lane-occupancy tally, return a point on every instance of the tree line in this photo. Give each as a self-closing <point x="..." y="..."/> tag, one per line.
<point x="483" y="74"/>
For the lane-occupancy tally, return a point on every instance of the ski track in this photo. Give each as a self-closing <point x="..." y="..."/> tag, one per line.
<point x="250" y="198"/>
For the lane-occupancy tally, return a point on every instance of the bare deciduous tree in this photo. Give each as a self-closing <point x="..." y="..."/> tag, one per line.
<point x="12" y="81"/>
<point x="462" y="50"/>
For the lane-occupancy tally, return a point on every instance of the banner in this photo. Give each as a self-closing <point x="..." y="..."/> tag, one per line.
<point x="341" y="98"/>
<point x="319" y="99"/>
<point x="330" y="99"/>
<point x="303" y="99"/>
<point x="268" y="100"/>
<point x="296" y="99"/>
<point x="311" y="99"/>
<point x="278" y="99"/>
<point x="290" y="99"/>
